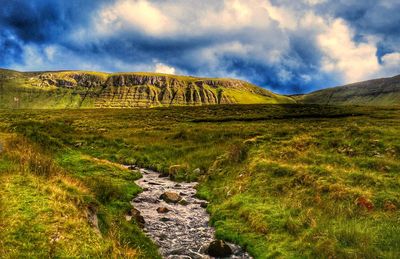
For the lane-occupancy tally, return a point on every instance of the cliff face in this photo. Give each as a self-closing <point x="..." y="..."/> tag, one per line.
<point x="147" y="89"/>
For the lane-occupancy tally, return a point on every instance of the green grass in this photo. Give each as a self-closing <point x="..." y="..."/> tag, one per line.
<point x="289" y="181"/>
<point x="45" y="201"/>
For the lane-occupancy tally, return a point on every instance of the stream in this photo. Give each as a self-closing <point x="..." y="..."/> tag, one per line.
<point x="180" y="229"/>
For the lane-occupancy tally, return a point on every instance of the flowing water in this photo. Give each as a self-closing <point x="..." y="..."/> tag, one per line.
<point x="182" y="232"/>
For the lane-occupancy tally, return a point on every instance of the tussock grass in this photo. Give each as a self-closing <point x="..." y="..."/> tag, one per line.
<point x="297" y="181"/>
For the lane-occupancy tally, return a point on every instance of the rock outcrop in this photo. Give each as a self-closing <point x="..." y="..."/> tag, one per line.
<point x="126" y="90"/>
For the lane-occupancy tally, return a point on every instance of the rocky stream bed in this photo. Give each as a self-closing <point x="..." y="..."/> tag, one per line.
<point x="177" y="221"/>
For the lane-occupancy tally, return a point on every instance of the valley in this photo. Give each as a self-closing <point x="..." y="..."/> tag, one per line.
<point x="284" y="180"/>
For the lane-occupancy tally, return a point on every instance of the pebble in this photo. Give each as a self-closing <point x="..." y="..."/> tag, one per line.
<point x="186" y="231"/>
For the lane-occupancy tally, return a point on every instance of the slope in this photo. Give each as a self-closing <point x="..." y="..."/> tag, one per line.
<point x="82" y="89"/>
<point x="381" y="92"/>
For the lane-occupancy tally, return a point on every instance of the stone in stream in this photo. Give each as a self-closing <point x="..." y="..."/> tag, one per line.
<point x="146" y="200"/>
<point x="183" y="202"/>
<point x="163" y="175"/>
<point x="218" y="248"/>
<point x="162" y="210"/>
<point x="164" y="219"/>
<point x="170" y="197"/>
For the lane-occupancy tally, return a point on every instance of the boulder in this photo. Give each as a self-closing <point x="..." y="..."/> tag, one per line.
<point x="170" y="197"/>
<point x="218" y="248"/>
<point x="162" y="210"/>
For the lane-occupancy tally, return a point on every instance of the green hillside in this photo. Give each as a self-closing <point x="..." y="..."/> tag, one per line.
<point x="379" y="92"/>
<point x="82" y="89"/>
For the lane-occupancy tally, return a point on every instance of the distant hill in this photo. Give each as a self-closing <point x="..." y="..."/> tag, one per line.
<point x="384" y="91"/>
<point x="82" y="89"/>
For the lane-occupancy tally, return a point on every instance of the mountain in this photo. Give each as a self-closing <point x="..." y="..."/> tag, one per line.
<point x="383" y="91"/>
<point x="82" y="89"/>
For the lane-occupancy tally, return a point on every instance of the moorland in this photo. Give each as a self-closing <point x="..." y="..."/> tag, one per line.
<point x="282" y="180"/>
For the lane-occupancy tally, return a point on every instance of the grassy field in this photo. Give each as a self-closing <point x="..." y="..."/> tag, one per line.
<point x="283" y="181"/>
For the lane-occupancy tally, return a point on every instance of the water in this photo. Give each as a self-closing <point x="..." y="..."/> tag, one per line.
<point x="184" y="231"/>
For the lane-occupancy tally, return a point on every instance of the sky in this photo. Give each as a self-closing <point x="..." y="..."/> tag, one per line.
<point x="283" y="45"/>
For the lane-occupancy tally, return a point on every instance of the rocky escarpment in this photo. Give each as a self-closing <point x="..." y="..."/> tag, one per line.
<point x="121" y="90"/>
<point x="137" y="90"/>
<point x="146" y="89"/>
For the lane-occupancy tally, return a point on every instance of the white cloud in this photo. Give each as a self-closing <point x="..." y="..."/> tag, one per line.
<point x="137" y="14"/>
<point x="162" y="68"/>
<point x="390" y="64"/>
<point x="354" y="61"/>
<point x="285" y="17"/>
<point x="184" y="18"/>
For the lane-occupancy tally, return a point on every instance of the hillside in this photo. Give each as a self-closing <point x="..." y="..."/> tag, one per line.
<point x="383" y="91"/>
<point x="81" y="89"/>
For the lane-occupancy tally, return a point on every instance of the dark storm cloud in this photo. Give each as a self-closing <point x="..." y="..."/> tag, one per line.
<point x="270" y="43"/>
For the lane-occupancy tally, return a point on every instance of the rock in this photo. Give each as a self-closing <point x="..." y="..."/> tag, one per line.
<point x="183" y="202"/>
<point x="197" y="171"/>
<point x="203" y="204"/>
<point x="162" y="210"/>
<point x="133" y="167"/>
<point x="164" y="219"/>
<point x="163" y="175"/>
<point x="154" y="183"/>
<point x="135" y="214"/>
<point x="146" y="200"/>
<point x="218" y="248"/>
<point x="92" y="217"/>
<point x="170" y="197"/>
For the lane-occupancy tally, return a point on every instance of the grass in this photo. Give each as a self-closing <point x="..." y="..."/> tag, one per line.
<point x="45" y="205"/>
<point x="289" y="181"/>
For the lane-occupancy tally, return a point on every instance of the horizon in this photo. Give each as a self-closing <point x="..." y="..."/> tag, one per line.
<point x="183" y="75"/>
<point x="288" y="48"/>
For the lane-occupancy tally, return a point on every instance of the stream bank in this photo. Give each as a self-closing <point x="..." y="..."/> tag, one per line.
<point x="176" y="220"/>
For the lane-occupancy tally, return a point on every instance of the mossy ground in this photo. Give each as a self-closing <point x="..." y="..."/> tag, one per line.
<point x="289" y="181"/>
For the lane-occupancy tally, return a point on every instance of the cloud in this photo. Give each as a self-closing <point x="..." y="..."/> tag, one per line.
<point x="287" y="46"/>
<point x="354" y="61"/>
<point x="162" y="68"/>
<point x="140" y="15"/>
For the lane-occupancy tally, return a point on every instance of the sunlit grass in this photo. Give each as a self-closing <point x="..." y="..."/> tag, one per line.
<point x="282" y="180"/>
